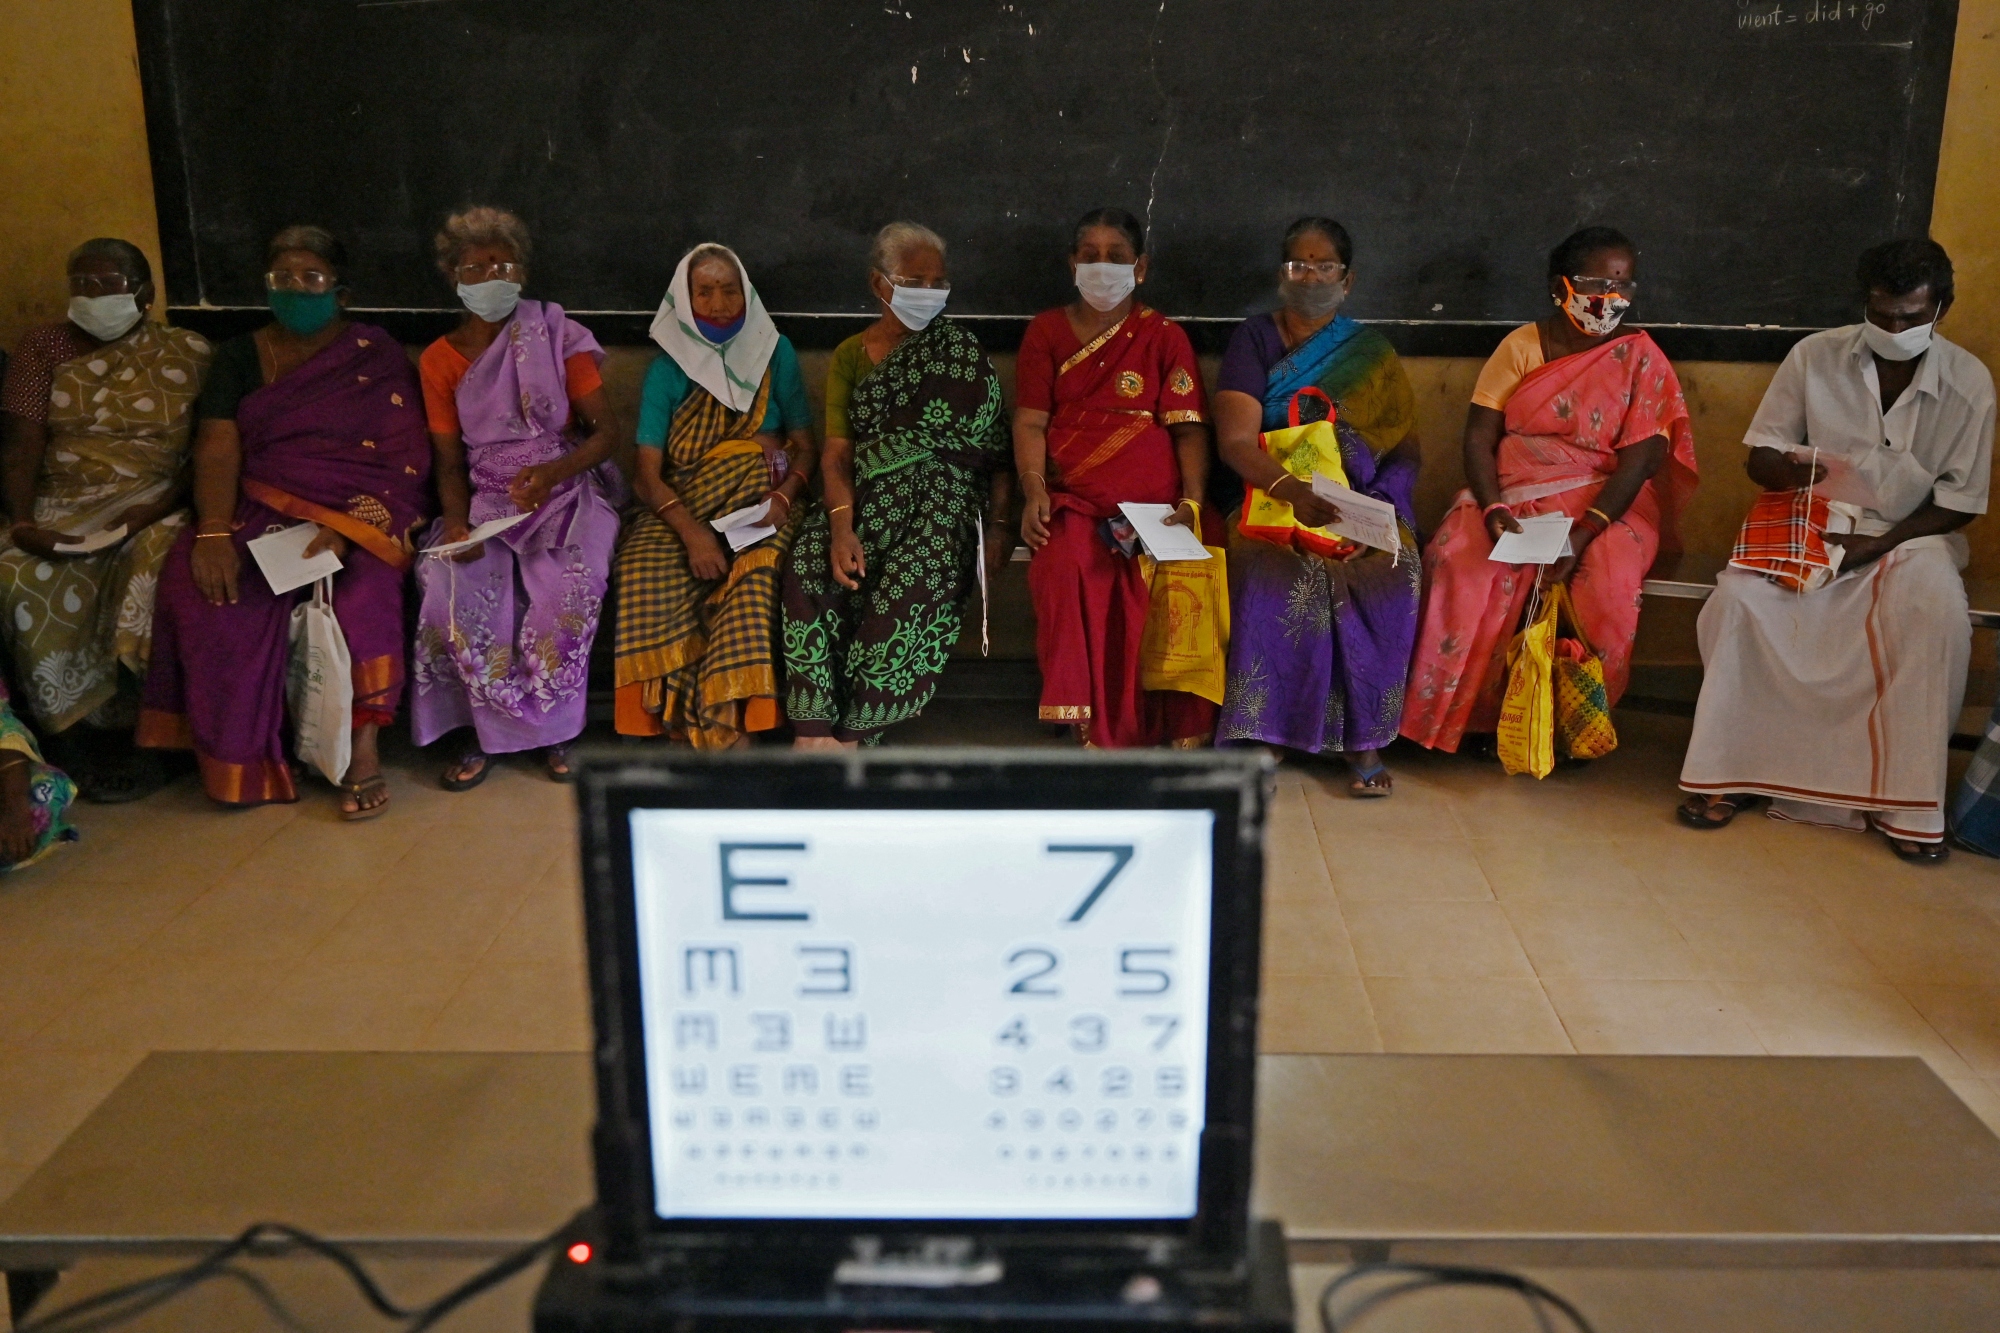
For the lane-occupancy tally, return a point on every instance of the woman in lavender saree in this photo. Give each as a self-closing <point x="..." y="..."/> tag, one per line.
<point x="520" y="425"/>
<point x="310" y="419"/>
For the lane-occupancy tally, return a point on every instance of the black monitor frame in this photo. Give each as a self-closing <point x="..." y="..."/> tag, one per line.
<point x="1234" y="785"/>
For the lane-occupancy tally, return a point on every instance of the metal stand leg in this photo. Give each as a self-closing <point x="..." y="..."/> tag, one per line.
<point x="25" y="1287"/>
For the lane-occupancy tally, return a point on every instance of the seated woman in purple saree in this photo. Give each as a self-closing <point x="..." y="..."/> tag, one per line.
<point x="520" y="425"/>
<point x="1320" y="647"/>
<point x="309" y="419"/>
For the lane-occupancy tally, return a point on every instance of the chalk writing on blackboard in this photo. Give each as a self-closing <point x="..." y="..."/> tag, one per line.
<point x="1760" y="15"/>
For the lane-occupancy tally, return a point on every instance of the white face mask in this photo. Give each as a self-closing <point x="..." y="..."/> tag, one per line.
<point x="1103" y="286"/>
<point x="1312" y="300"/>
<point x="1908" y="345"/>
<point x="105" y="318"/>
<point x="917" y="306"/>
<point x="491" y="301"/>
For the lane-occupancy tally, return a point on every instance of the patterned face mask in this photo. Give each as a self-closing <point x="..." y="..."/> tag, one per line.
<point x="1592" y="315"/>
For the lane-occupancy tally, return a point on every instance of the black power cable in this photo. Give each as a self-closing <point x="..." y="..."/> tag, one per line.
<point x="107" y="1309"/>
<point x="1428" y="1277"/>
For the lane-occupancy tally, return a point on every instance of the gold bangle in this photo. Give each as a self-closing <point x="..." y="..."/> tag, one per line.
<point x="200" y="535"/>
<point x="1036" y="475"/>
<point x="1601" y="514"/>
<point x="837" y="509"/>
<point x="660" y="510"/>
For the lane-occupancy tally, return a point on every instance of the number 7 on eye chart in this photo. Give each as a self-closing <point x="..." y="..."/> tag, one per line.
<point x="1121" y="856"/>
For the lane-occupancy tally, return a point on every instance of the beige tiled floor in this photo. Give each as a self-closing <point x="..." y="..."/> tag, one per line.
<point x="1471" y="913"/>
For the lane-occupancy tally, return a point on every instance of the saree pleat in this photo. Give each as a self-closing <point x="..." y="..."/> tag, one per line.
<point x="693" y="654"/>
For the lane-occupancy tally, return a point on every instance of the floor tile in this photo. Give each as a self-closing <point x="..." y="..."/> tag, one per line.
<point x="1981" y="1096"/>
<point x="1923" y="945"/>
<point x="337" y="1004"/>
<point x="1774" y="941"/>
<point x="1829" y="1018"/>
<point x="1450" y="1016"/>
<point x="1373" y="869"/>
<point x="1315" y="1015"/>
<point x="1435" y="940"/>
<point x="1587" y="870"/>
<point x="1649" y="1018"/>
<point x="1609" y="941"/>
<point x="514" y="1007"/>
<point x="1966" y="1016"/>
<point x="1307" y="940"/>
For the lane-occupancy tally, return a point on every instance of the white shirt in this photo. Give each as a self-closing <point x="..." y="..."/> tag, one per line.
<point x="1935" y="443"/>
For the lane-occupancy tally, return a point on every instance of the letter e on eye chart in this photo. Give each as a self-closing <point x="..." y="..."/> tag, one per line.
<point x="924" y="1013"/>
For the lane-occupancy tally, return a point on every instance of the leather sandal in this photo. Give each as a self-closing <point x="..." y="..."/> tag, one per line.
<point x="1694" y="811"/>
<point x="1919" y="853"/>
<point x="358" y="791"/>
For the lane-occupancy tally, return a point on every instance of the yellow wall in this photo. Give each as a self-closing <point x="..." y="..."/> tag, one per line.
<point x="73" y="138"/>
<point x="73" y="141"/>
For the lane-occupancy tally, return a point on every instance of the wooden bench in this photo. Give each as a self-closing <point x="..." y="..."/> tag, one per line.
<point x="1692" y="578"/>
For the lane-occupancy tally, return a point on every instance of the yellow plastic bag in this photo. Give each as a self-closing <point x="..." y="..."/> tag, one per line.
<point x="1583" y="709"/>
<point x="1301" y="451"/>
<point x="1186" y="643"/>
<point x="1527" y="711"/>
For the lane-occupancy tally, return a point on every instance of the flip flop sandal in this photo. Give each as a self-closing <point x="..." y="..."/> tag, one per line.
<point x="119" y="783"/>
<point x="1919" y="853"/>
<point x="1693" y="812"/>
<point x="1372" y="785"/>
<point x="360" y="790"/>
<point x="450" y="783"/>
<point x="558" y="754"/>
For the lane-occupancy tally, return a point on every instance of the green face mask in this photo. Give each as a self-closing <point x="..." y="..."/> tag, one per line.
<point x="305" y="313"/>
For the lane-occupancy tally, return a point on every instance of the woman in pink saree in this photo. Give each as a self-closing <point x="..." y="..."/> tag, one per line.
<point x="1570" y="417"/>
<point x="311" y="419"/>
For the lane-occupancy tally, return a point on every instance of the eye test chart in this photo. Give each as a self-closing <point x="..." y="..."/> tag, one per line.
<point x="992" y="1014"/>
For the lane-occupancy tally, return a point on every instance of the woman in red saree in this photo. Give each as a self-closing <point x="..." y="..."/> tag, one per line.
<point x="1568" y="417"/>
<point x="1108" y="410"/>
<point x="311" y="419"/>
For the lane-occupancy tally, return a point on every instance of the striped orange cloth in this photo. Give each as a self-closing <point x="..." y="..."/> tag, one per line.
<point x="1783" y="539"/>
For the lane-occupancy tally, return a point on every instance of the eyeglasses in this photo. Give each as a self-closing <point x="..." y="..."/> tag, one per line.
<point x="306" y="280"/>
<point x="934" y="284"/>
<point x="101" y="284"/>
<point x="1298" y="270"/>
<point x="1603" y="286"/>
<point x="476" y="273"/>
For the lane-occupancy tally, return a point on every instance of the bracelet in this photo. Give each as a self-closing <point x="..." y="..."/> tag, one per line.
<point x="660" y="510"/>
<point x="1036" y="475"/>
<point x="1497" y="504"/>
<point x="200" y="535"/>
<point x="838" y="509"/>
<point x="1607" y="519"/>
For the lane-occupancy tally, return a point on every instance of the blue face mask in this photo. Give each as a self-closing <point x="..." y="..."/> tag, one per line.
<point x="305" y="313"/>
<point x="721" y="333"/>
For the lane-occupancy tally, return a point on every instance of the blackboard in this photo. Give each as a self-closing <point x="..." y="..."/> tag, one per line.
<point x="1751" y="147"/>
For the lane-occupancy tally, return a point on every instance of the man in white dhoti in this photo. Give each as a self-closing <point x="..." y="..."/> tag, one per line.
<point x="1837" y="705"/>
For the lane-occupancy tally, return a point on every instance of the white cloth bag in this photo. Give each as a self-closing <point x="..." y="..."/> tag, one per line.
<point x="319" y="685"/>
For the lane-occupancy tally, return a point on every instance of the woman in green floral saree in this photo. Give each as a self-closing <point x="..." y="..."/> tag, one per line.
<point x="916" y="436"/>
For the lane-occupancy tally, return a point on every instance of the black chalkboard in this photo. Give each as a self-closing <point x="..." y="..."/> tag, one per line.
<point x="1752" y="147"/>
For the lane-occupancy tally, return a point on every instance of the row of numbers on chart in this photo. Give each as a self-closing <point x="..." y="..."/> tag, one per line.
<point x="1111" y="1081"/>
<point x="1087" y="1181"/>
<point x="1087" y="1033"/>
<point x="827" y="1119"/>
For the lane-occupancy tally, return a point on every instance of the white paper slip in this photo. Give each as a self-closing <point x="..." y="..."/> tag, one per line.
<point x="1163" y="541"/>
<point x="479" y="534"/>
<point x="1843" y="481"/>
<point x="1542" y="540"/>
<point x="96" y="541"/>
<point x="746" y="526"/>
<point x="1363" y="518"/>
<point x="282" y="557"/>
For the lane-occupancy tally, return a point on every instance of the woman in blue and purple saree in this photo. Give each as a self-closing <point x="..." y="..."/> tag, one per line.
<point x="1320" y="646"/>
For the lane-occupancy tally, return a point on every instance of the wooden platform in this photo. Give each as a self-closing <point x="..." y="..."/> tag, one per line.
<point x="1601" y="1160"/>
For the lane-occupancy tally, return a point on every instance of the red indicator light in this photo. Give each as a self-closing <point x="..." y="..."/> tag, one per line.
<point x="579" y="1253"/>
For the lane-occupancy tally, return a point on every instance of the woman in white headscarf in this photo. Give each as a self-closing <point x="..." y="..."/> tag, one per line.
<point x="724" y="427"/>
